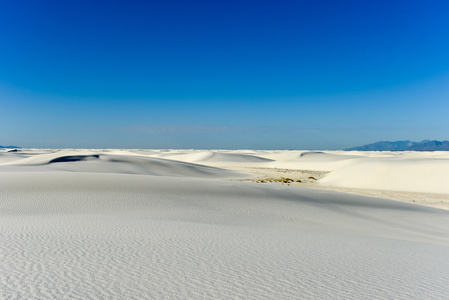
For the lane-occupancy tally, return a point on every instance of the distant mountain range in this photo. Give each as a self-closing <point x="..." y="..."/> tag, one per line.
<point x="9" y="147"/>
<point x="425" y="145"/>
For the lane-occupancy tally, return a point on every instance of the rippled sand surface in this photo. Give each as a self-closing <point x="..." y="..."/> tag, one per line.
<point x="141" y="224"/>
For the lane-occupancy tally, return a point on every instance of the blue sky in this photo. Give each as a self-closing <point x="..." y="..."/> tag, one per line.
<point x="222" y="74"/>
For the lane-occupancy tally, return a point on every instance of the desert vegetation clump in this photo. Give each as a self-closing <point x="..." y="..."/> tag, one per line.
<point x="280" y="180"/>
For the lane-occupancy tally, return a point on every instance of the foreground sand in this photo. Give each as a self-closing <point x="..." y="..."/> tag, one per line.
<point x="141" y="224"/>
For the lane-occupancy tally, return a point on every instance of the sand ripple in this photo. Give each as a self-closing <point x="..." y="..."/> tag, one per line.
<point x="74" y="235"/>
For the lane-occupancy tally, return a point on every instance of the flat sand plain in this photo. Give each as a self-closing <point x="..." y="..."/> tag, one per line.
<point x="196" y="224"/>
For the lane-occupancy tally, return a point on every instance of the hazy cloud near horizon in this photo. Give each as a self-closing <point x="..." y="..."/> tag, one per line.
<point x="200" y="129"/>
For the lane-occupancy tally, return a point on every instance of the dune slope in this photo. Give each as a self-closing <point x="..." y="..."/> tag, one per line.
<point x="101" y="162"/>
<point x="90" y="235"/>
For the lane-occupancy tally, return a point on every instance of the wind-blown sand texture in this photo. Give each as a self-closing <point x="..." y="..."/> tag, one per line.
<point x="194" y="224"/>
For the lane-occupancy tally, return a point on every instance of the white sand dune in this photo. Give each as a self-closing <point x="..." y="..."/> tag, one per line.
<point x="315" y="160"/>
<point x="113" y="224"/>
<point x="90" y="161"/>
<point x="420" y="172"/>
<point x="216" y="156"/>
<point x="414" y="175"/>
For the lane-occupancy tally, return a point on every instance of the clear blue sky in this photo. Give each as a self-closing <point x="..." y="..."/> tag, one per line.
<point x="223" y="74"/>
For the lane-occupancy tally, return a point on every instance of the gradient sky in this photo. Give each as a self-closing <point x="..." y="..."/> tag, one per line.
<point x="223" y="74"/>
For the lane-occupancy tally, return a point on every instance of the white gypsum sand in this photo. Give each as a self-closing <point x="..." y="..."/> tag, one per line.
<point x="416" y="177"/>
<point x="160" y="224"/>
